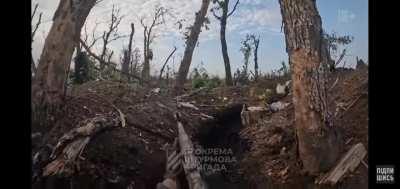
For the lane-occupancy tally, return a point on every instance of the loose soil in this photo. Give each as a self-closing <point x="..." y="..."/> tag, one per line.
<point x="266" y="152"/>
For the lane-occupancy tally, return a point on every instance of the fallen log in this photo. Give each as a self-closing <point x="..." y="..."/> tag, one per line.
<point x="66" y="154"/>
<point x="349" y="162"/>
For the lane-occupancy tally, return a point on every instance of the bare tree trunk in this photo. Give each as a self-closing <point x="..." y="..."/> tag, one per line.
<point x="158" y="19"/>
<point x="190" y="45"/>
<point x="318" y="142"/>
<point x="256" y="72"/>
<point x="224" y="48"/>
<point x="146" y="63"/>
<point x="48" y="82"/>
<point x="109" y="36"/>
<point x="127" y="58"/>
<point x="224" y="5"/>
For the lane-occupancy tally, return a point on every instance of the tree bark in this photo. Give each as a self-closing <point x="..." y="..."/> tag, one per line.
<point x="48" y="82"/>
<point x="127" y="58"/>
<point x="148" y="39"/>
<point x="318" y="142"/>
<point x="146" y="63"/>
<point x="224" y="48"/>
<point x="256" y="43"/>
<point x="190" y="45"/>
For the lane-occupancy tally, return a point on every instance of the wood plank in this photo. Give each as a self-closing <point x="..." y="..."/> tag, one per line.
<point x="349" y="162"/>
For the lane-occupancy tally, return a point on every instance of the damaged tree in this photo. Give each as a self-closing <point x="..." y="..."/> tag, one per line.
<point x="333" y="41"/>
<point x="33" y="66"/>
<point x="241" y="76"/>
<point x="165" y="63"/>
<point x="109" y="36"/>
<point x="256" y="43"/>
<point x="318" y="142"/>
<point x="48" y="82"/>
<point x="148" y="35"/>
<point x="190" y="45"/>
<point x="127" y="53"/>
<point x="224" y="5"/>
<point x="135" y="63"/>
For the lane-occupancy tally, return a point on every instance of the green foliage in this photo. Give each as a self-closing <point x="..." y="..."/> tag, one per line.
<point x="201" y="79"/>
<point x="246" y="50"/>
<point x="213" y="82"/>
<point x="241" y="75"/>
<point x="198" y="80"/>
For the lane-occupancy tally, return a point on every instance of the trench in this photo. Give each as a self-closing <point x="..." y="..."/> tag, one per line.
<point x="223" y="134"/>
<point x="222" y="138"/>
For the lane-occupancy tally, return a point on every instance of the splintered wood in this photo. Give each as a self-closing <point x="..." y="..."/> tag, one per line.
<point x="71" y="145"/>
<point x="349" y="162"/>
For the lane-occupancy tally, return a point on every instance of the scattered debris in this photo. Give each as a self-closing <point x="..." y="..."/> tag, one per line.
<point x="280" y="89"/>
<point x="283" y="89"/>
<point x="278" y="106"/>
<point x="352" y="103"/>
<point x="156" y="90"/>
<point x="334" y="84"/>
<point x="187" y="105"/>
<point x="348" y="141"/>
<point x="287" y="84"/>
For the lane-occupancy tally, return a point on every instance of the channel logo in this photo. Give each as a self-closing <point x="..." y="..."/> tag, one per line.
<point x="385" y="174"/>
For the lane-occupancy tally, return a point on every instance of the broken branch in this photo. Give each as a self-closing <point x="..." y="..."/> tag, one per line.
<point x="165" y="63"/>
<point x="72" y="144"/>
<point x="234" y="8"/>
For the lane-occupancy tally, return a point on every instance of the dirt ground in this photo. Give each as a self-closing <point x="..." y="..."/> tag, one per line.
<point x="134" y="156"/>
<point x="273" y="154"/>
